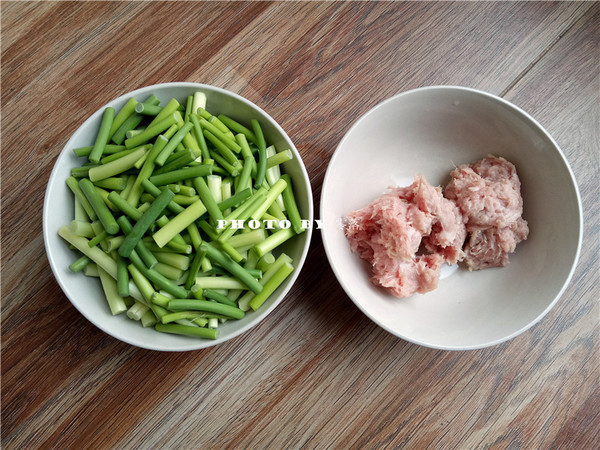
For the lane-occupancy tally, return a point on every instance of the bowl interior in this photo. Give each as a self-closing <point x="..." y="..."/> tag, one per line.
<point x="86" y="294"/>
<point x="429" y="131"/>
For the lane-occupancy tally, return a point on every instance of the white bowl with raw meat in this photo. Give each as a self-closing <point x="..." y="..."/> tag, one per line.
<point x="430" y="132"/>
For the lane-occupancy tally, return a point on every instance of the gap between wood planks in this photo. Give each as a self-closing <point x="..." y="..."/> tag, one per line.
<point x="543" y="53"/>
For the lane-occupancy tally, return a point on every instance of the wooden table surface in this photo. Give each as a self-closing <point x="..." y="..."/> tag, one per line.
<point x="316" y="373"/>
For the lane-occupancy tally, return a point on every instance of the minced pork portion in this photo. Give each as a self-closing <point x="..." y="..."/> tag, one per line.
<point x="409" y="232"/>
<point x="488" y="194"/>
<point x="406" y="235"/>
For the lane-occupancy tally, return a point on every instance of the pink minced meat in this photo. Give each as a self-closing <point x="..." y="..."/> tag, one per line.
<point x="488" y="194"/>
<point x="406" y="235"/>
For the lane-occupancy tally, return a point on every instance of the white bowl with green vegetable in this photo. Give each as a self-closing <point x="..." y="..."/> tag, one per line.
<point x="177" y="216"/>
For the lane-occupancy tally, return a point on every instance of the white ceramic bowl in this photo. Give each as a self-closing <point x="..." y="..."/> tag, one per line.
<point x="429" y="131"/>
<point x="86" y="294"/>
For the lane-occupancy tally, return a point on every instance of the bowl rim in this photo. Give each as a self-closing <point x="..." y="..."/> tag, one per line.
<point x="527" y="118"/>
<point x="194" y="344"/>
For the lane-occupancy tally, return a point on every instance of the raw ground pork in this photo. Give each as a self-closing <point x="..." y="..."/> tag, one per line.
<point x="406" y="235"/>
<point x="488" y="194"/>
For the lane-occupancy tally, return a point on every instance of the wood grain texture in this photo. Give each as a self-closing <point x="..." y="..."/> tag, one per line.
<point x="316" y="373"/>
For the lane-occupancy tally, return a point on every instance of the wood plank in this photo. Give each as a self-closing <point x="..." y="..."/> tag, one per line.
<point x="336" y="48"/>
